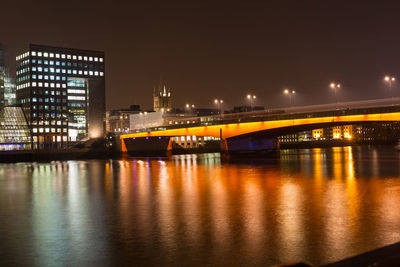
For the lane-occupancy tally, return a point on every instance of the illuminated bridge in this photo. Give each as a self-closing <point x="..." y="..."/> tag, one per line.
<point x="259" y="130"/>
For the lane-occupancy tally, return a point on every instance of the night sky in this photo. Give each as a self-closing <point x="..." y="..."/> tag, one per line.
<point x="221" y="49"/>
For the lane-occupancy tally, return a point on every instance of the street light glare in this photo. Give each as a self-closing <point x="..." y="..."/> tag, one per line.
<point x="248" y="96"/>
<point x="293" y="92"/>
<point x="393" y="79"/>
<point x="338" y="86"/>
<point x="332" y="85"/>
<point x="387" y="78"/>
<point x="286" y="91"/>
<point x="216" y="101"/>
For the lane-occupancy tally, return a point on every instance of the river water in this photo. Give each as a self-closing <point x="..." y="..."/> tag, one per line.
<point x="315" y="205"/>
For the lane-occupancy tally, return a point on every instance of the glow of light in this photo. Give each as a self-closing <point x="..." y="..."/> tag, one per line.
<point x="347" y="135"/>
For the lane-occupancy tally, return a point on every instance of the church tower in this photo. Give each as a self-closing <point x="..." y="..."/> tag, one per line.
<point x="162" y="98"/>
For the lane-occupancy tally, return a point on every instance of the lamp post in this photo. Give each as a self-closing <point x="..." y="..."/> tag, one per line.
<point x="389" y="80"/>
<point x="290" y="93"/>
<point x="251" y="98"/>
<point x="190" y="107"/>
<point x="219" y="103"/>
<point x="335" y="86"/>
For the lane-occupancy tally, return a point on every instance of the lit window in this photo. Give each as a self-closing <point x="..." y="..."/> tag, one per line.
<point x="96" y="59"/>
<point x="52" y="85"/>
<point x="101" y="73"/>
<point x="101" y="59"/>
<point x="80" y="57"/>
<point x="63" y="56"/>
<point x="90" y="72"/>
<point x="96" y="73"/>
<point x="39" y="54"/>
<point x="85" y="72"/>
<point x="33" y="83"/>
<point x="58" y="85"/>
<point x="74" y="71"/>
<point x="45" y="54"/>
<point x="68" y="56"/>
<point x="64" y="85"/>
<point x="40" y="84"/>
<point x="40" y="69"/>
<point x="51" y="55"/>
<point x="80" y="72"/>
<point x="57" y="55"/>
<point x="85" y="58"/>
<point x="33" y="53"/>
<point x="90" y="58"/>
<point x="46" y="84"/>
<point x="73" y="57"/>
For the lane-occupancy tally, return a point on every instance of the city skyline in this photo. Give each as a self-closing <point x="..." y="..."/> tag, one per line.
<point x="224" y="50"/>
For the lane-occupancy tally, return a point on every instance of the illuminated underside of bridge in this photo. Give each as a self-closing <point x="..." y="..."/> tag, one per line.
<point x="236" y="130"/>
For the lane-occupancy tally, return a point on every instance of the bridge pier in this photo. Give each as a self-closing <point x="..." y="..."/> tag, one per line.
<point x="148" y="146"/>
<point x="252" y="146"/>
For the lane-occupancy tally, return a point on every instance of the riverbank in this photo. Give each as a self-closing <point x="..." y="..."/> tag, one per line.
<point x="50" y="155"/>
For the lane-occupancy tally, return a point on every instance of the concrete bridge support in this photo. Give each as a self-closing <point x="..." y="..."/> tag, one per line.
<point x="252" y="146"/>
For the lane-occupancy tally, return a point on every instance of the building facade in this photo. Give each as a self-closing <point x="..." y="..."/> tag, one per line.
<point x="62" y="93"/>
<point x="118" y="120"/>
<point x="14" y="130"/>
<point x="162" y="98"/>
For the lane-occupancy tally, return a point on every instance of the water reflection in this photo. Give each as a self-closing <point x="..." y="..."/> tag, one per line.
<point x="318" y="205"/>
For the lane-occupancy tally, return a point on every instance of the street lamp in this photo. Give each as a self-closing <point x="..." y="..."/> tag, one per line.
<point x="219" y="103"/>
<point x="335" y="86"/>
<point x="290" y="93"/>
<point x="190" y="107"/>
<point x="251" y="98"/>
<point x="390" y="80"/>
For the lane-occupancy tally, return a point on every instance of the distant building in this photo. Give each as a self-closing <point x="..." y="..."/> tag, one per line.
<point x="7" y="83"/>
<point x="162" y="98"/>
<point x="118" y="120"/>
<point x="3" y="73"/>
<point x="10" y="96"/>
<point x="62" y="93"/>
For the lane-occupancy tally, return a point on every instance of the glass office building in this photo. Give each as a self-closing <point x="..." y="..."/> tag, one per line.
<point x="14" y="130"/>
<point x="62" y="93"/>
